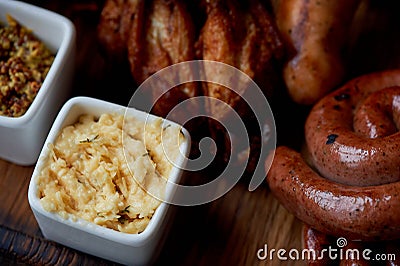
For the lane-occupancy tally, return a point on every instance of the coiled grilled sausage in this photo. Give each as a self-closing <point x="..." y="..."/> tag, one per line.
<point x="348" y="156"/>
<point x="366" y="213"/>
<point x="350" y="185"/>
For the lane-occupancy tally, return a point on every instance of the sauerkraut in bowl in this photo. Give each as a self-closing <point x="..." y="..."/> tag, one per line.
<point x="90" y="174"/>
<point x="101" y="179"/>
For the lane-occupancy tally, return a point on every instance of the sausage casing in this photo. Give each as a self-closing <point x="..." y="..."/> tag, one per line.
<point x="366" y="213"/>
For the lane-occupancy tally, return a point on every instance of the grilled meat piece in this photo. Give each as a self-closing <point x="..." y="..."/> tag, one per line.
<point x="243" y="35"/>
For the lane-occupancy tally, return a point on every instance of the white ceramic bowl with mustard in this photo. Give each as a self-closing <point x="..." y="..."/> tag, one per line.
<point x="22" y="137"/>
<point x="72" y="197"/>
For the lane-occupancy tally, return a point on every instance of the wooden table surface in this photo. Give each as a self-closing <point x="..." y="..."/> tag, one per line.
<point x="227" y="231"/>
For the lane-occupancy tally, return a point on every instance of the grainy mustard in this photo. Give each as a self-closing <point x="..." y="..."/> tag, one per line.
<point x="24" y="64"/>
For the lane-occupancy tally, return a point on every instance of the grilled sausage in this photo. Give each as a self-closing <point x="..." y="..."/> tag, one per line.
<point x="316" y="32"/>
<point x="325" y="249"/>
<point x="346" y="182"/>
<point x="316" y="243"/>
<point x="347" y="156"/>
<point x="365" y="213"/>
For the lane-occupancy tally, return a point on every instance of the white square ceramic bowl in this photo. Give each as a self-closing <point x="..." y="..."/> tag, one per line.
<point x="131" y="249"/>
<point x="21" y="138"/>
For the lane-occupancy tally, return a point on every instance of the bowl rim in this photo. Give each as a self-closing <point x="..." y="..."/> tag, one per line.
<point x="90" y="227"/>
<point x="62" y="52"/>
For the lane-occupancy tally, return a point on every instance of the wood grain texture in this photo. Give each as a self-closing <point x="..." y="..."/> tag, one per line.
<point x="17" y="247"/>
<point x="227" y="231"/>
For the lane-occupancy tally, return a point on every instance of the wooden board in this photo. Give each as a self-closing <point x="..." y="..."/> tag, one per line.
<point x="227" y="231"/>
